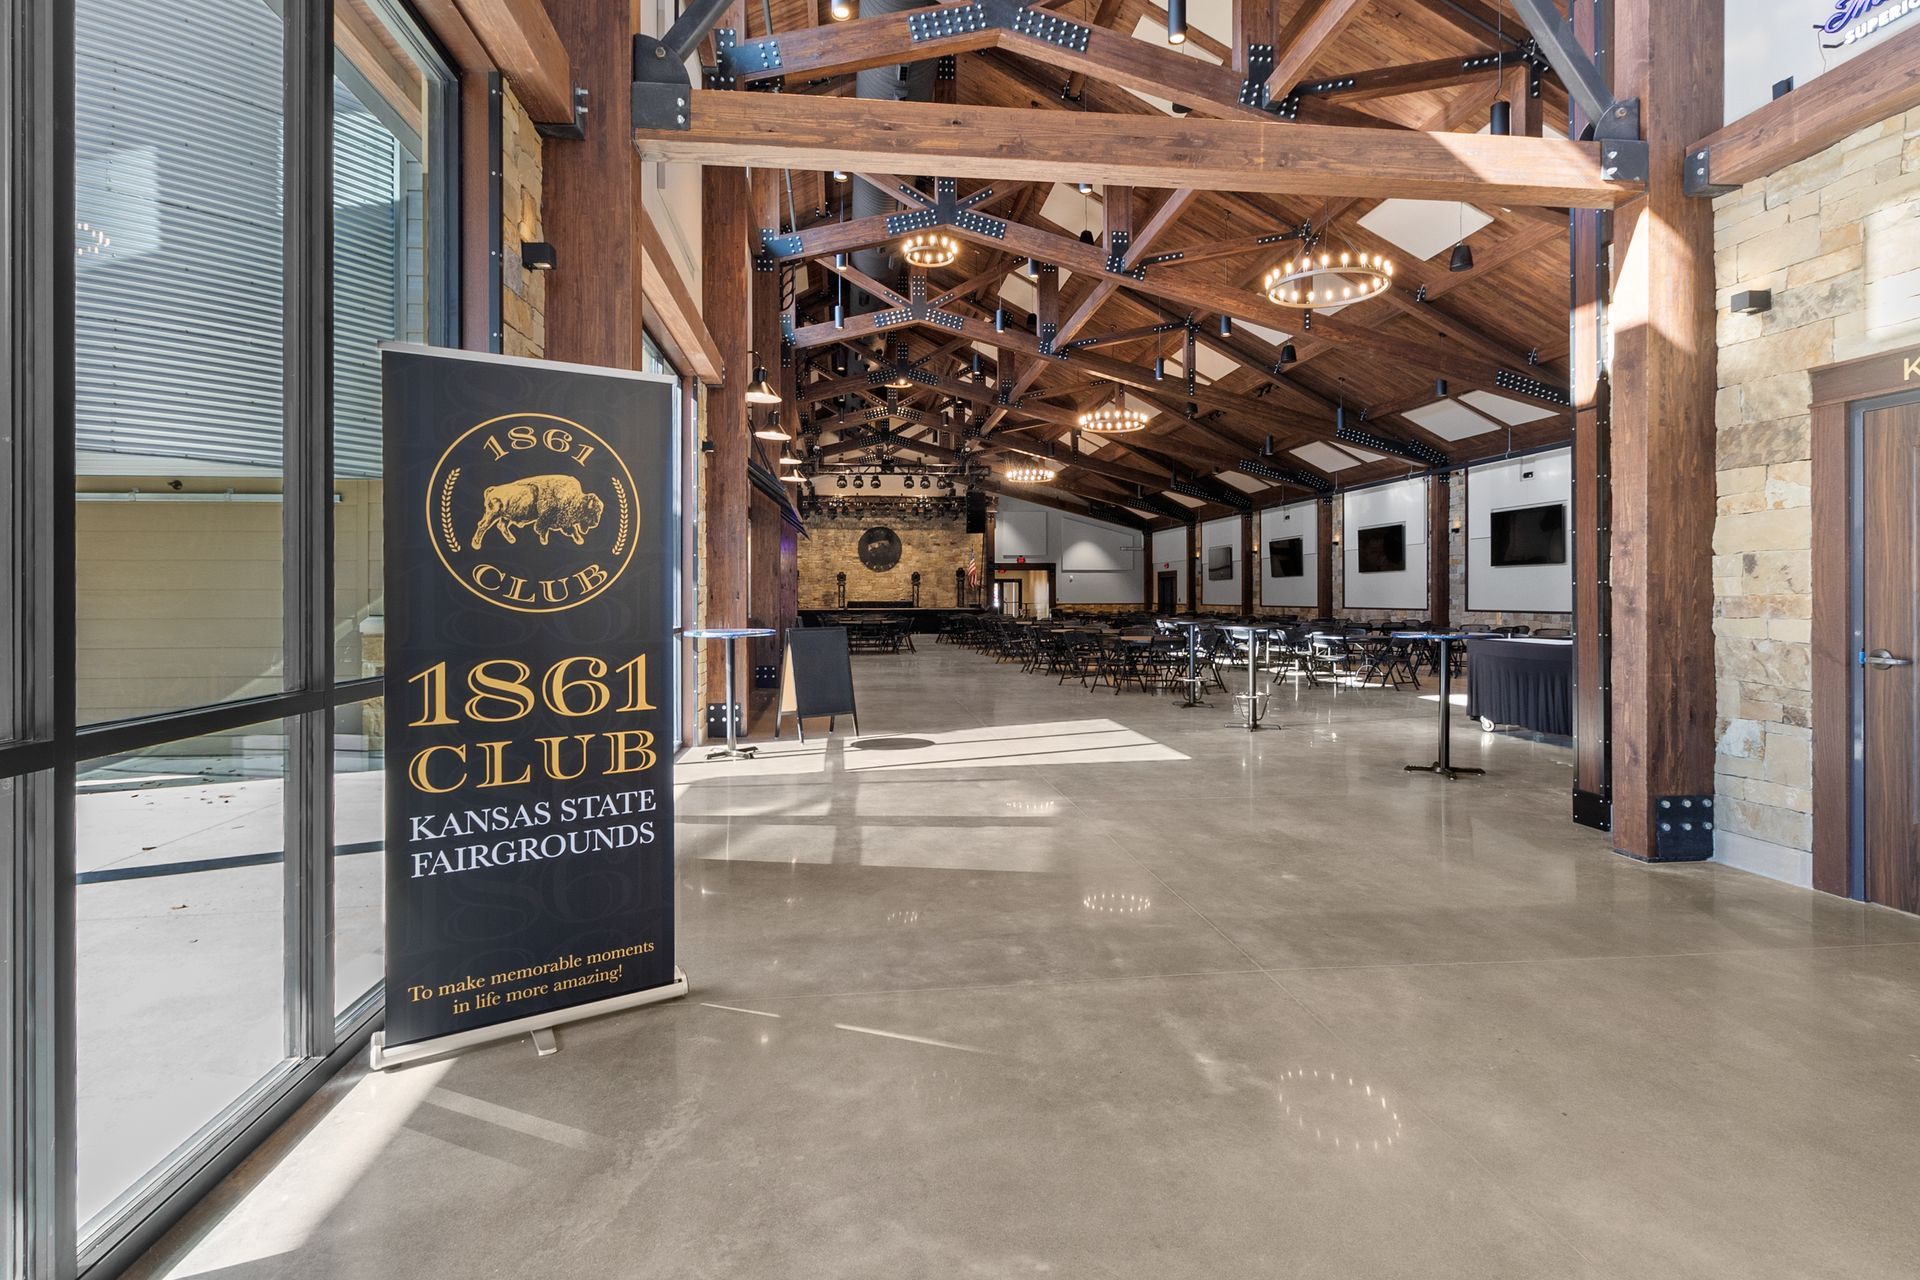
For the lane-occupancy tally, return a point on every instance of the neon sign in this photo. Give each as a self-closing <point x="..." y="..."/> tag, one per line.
<point x="1854" y="20"/>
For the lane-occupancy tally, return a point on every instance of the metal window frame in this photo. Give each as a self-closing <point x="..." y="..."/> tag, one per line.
<point x="41" y="745"/>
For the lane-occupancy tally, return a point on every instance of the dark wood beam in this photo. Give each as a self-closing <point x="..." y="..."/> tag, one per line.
<point x="1315" y="25"/>
<point x="523" y="43"/>
<point x="804" y="132"/>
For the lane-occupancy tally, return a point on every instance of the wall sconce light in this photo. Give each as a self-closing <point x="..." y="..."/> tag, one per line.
<point x="1752" y="302"/>
<point x="538" y="255"/>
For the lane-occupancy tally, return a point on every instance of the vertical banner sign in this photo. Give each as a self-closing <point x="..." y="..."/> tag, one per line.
<point x="530" y="569"/>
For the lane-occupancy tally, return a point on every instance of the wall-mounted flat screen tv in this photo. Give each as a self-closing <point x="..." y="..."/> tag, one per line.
<point x="1219" y="563"/>
<point x="1383" y="549"/>
<point x="1529" y="535"/>
<point x="1287" y="558"/>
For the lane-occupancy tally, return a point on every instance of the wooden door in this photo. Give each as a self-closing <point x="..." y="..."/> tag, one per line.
<point x="1890" y="718"/>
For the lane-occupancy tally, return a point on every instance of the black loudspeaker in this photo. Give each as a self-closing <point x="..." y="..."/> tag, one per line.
<point x="976" y="512"/>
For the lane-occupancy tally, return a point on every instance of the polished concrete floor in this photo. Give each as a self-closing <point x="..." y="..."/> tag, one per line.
<point x="1032" y="981"/>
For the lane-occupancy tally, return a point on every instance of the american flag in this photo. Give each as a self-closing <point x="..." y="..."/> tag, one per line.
<point x="973" y="568"/>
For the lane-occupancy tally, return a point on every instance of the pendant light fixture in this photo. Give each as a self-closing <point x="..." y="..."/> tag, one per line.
<point x="928" y="249"/>
<point x="772" y="430"/>
<point x="1288" y="355"/>
<point x="1462" y="256"/>
<point x="1112" y="419"/>
<point x="1500" y="119"/>
<point x="760" y="391"/>
<point x="1176" y="21"/>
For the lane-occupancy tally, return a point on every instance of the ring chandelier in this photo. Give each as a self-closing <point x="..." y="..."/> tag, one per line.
<point x="1112" y="419"/>
<point x="929" y="249"/>
<point x="1328" y="281"/>
<point x="1030" y="473"/>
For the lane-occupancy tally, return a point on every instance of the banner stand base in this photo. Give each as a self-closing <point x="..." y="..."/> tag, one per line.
<point x="381" y="1058"/>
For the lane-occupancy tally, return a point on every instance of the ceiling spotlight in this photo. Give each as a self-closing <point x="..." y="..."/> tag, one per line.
<point x="1325" y="280"/>
<point x="1226" y="326"/>
<point x="1112" y="419"/>
<point x="1032" y="472"/>
<point x="1176" y="21"/>
<point x="1159" y="368"/>
<point x="839" y="175"/>
<point x="1288" y="355"/>
<point x="929" y="249"/>
<point x="999" y="319"/>
<point x="1462" y="259"/>
<point x="760" y="391"/>
<point x="1440" y="388"/>
<point x="841" y="11"/>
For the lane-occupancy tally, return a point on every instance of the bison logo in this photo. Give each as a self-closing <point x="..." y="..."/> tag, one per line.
<point x="539" y="474"/>
<point x="547" y="504"/>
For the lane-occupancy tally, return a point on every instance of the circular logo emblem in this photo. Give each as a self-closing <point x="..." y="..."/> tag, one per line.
<point x="533" y="512"/>
<point x="880" y="548"/>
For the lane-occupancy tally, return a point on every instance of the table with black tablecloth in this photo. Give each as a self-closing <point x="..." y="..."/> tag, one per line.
<point x="1521" y="682"/>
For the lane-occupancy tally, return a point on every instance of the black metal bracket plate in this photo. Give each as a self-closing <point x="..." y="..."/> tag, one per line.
<point x="1591" y="809"/>
<point x="573" y="131"/>
<point x="1697" y="177"/>
<point x="661" y="89"/>
<point x="1683" y="828"/>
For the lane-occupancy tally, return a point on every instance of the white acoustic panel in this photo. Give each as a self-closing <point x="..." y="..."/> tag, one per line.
<point x="1201" y="16"/>
<point x="1242" y="481"/>
<point x="1424" y="228"/>
<point x="1452" y="421"/>
<point x="1090" y="546"/>
<point x="1295" y="520"/>
<point x="1511" y="412"/>
<point x="1325" y="456"/>
<point x="1224" y="593"/>
<point x="1020" y="533"/>
<point x="1403" y="503"/>
<point x="1536" y="480"/>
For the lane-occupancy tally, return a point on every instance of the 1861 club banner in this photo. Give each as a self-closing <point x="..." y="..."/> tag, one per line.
<point x="529" y="694"/>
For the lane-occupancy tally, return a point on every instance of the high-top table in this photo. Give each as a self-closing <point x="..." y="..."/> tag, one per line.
<point x="1444" y="765"/>
<point x="1253" y="636"/>
<point x="1193" y="678"/>
<point x="732" y="635"/>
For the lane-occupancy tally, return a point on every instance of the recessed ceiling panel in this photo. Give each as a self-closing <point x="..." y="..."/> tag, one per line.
<point x="1243" y="482"/>
<point x="1424" y="228"/>
<point x="1511" y="412"/>
<point x="1452" y="421"/>
<point x="1325" y="456"/>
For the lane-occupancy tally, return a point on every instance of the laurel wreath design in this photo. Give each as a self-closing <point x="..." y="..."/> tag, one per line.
<point x="446" y="511"/>
<point x="620" y="532"/>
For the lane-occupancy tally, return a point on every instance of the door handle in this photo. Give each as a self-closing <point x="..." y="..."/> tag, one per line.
<point x="1882" y="659"/>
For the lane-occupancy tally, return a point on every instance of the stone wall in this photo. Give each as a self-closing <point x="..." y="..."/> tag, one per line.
<point x="932" y="546"/>
<point x="523" y="293"/>
<point x="1836" y="237"/>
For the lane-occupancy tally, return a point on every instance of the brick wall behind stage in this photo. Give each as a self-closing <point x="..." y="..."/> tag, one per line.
<point x="933" y="546"/>
<point x="1837" y="239"/>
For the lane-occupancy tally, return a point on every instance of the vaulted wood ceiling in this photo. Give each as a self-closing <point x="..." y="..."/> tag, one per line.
<point x="1499" y="329"/>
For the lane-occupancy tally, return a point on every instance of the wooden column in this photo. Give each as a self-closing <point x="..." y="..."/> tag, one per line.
<point x="591" y="205"/>
<point x="1662" y="434"/>
<point x="1324" y="564"/>
<point x="1249" y="564"/>
<point x="726" y="495"/>
<point x="1193" y="567"/>
<point x="1440" y="550"/>
<point x="1150" y="577"/>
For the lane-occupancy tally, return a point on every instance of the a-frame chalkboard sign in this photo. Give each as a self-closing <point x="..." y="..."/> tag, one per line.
<point x="816" y="678"/>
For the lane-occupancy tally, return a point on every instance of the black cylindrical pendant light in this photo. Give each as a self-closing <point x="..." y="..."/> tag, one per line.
<point x="1500" y="120"/>
<point x="1176" y="21"/>
<point x="1440" y="387"/>
<point x="999" y="319"/>
<point x="1226" y="326"/>
<point x="1159" y="368"/>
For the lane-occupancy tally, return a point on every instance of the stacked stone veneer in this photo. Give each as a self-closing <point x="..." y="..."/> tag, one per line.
<point x="932" y="546"/>
<point x="1836" y="237"/>
<point x="523" y="293"/>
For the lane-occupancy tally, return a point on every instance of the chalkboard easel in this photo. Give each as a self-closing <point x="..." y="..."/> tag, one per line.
<point x="816" y="678"/>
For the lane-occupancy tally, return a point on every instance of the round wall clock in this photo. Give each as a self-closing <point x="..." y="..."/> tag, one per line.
<point x="880" y="548"/>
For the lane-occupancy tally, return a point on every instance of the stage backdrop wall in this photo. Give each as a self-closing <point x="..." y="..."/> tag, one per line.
<point x="932" y="546"/>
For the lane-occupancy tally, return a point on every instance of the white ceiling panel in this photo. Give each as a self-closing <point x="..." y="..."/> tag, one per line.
<point x="1214" y="17"/>
<point x="1185" y="501"/>
<point x="1244" y="483"/>
<point x="1325" y="456"/>
<point x="1424" y="228"/>
<point x="1273" y="336"/>
<point x="1511" y="412"/>
<point x="1452" y="421"/>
